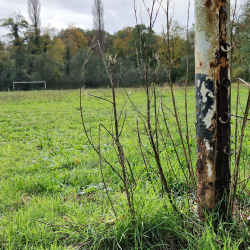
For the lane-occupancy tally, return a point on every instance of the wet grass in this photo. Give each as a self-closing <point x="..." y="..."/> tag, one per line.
<point x="52" y="194"/>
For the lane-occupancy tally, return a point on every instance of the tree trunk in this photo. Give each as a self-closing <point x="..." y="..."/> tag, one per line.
<point x="212" y="106"/>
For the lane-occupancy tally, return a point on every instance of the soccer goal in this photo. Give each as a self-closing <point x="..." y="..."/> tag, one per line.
<point x="33" y="82"/>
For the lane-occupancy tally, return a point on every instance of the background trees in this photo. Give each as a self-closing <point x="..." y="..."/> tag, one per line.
<point x="97" y="12"/>
<point x="15" y="23"/>
<point x="56" y="56"/>
<point x="34" y="8"/>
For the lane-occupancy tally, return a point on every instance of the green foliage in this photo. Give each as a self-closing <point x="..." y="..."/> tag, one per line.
<point x="7" y="70"/>
<point x="48" y="69"/>
<point x="15" y="23"/>
<point x="241" y="38"/>
<point x="240" y="72"/>
<point x="57" y="57"/>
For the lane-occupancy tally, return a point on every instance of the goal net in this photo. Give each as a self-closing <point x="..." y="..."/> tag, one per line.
<point x="32" y="82"/>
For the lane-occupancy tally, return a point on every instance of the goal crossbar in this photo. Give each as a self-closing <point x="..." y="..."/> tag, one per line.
<point x="30" y="82"/>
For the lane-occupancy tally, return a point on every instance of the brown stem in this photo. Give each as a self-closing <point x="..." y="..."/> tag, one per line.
<point x="186" y="114"/>
<point x="117" y="140"/>
<point x="100" y="161"/>
<point x="237" y="162"/>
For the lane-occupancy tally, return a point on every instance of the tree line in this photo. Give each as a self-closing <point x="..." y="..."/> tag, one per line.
<point x="56" y="56"/>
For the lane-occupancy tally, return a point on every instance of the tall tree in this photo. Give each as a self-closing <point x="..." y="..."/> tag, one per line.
<point x="97" y="12"/>
<point x="34" y="9"/>
<point x="15" y="24"/>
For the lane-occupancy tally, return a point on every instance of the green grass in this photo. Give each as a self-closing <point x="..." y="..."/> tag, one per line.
<point x="52" y="194"/>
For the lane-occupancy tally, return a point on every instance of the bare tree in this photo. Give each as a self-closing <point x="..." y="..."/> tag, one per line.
<point x="34" y="9"/>
<point x="97" y="12"/>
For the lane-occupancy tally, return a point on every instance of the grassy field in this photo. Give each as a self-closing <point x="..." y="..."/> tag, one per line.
<point x="52" y="192"/>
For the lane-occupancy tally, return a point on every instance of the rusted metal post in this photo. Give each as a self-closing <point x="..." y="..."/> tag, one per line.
<point x="212" y="105"/>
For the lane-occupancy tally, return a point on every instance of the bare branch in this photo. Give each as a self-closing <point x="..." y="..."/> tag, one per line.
<point x="34" y="9"/>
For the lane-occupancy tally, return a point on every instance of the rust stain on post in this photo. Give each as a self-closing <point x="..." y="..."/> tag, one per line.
<point x="208" y="3"/>
<point x="222" y="166"/>
<point x="211" y="101"/>
<point x="212" y="65"/>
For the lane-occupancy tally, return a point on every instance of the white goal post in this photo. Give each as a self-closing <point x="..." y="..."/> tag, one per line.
<point x="30" y="82"/>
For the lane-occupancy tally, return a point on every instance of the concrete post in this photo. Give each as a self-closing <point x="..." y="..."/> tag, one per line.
<point x="212" y="105"/>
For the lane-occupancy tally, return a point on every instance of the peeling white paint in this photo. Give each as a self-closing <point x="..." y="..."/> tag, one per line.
<point x="207" y="78"/>
<point x="198" y="83"/>
<point x="204" y="92"/>
<point x="203" y="45"/>
<point x="209" y="169"/>
<point x="208" y="145"/>
<point x="206" y="37"/>
<point x="208" y="118"/>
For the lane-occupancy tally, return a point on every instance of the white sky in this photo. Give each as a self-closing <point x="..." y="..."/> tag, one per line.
<point x="117" y="13"/>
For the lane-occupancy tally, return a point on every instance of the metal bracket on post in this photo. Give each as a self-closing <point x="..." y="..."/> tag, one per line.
<point x="225" y="151"/>
<point x="227" y="50"/>
<point x="226" y="83"/>
<point x="228" y="118"/>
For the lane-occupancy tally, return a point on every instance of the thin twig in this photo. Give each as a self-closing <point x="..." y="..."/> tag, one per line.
<point x="237" y="162"/>
<point x="100" y="98"/>
<point x="117" y="140"/>
<point x="241" y="117"/>
<point x="100" y="161"/>
<point x="186" y="113"/>
<point x="172" y="142"/>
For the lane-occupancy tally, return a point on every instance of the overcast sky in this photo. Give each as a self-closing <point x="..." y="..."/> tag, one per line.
<point x="117" y="13"/>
